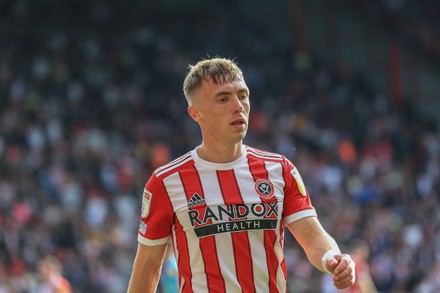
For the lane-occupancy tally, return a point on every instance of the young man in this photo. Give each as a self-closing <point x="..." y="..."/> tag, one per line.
<point x="225" y="204"/>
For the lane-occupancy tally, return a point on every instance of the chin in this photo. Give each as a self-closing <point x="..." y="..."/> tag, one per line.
<point x="240" y="137"/>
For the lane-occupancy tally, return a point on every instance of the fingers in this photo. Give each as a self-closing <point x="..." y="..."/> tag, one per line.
<point x="331" y="264"/>
<point x="344" y="271"/>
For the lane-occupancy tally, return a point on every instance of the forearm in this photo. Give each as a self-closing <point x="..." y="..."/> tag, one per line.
<point x="323" y="243"/>
<point x="323" y="252"/>
<point x="314" y="240"/>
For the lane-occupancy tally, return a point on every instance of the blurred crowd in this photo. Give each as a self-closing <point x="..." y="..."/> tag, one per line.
<point x="91" y="103"/>
<point x="415" y="23"/>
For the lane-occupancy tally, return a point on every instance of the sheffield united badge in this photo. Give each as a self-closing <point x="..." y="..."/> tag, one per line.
<point x="264" y="188"/>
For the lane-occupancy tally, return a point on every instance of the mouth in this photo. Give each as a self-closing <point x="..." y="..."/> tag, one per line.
<point x="239" y="122"/>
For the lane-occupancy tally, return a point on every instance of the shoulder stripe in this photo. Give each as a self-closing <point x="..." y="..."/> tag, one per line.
<point x="173" y="164"/>
<point x="265" y="155"/>
<point x="175" y="161"/>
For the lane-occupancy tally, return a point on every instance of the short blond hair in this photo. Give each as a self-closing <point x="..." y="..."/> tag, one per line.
<point x="220" y="70"/>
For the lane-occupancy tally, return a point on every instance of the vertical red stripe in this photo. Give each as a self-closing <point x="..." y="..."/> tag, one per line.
<point x="240" y="241"/>
<point x="258" y="171"/>
<point x="283" y="263"/>
<point x="192" y="184"/>
<point x="183" y="262"/>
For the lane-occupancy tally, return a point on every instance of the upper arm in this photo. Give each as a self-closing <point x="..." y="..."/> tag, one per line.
<point x="297" y="202"/>
<point x="146" y="268"/>
<point x="150" y="255"/>
<point x="157" y="216"/>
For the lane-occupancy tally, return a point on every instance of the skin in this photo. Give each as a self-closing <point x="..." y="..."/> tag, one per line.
<point x="316" y="241"/>
<point x="146" y="268"/>
<point x="222" y="112"/>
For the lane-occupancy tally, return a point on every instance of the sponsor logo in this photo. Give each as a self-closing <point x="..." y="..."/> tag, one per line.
<point x="234" y="218"/>
<point x="264" y="188"/>
<point x="146" y="201"/>
<point x="299" y="181"/>
<point x="261" y="224"/>
<point x="195" y="200"/>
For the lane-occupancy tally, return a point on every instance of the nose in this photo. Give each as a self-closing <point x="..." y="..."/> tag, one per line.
<point x="237" y="104"/>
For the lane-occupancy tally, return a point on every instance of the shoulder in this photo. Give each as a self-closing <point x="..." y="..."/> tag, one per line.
<point x="259" y="154"/>
<point x="174" y="166"/>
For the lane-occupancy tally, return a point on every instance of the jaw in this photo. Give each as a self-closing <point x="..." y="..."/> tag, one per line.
<point x="227" y="137"/>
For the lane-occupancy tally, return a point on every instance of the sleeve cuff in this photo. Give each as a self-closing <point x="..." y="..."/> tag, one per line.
<point x="299" y="215"/>
<point x="149" y="242"/>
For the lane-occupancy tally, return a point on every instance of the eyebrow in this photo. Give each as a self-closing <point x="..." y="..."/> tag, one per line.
<point x="226" y="93"/>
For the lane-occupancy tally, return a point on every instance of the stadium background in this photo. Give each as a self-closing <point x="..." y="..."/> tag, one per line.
<point x="91" y="102"/>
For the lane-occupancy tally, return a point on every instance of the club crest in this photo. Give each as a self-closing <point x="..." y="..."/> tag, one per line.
<point x="264" y="188"/>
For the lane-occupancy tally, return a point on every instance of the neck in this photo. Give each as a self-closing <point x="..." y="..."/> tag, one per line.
<point x="219" y="153"/>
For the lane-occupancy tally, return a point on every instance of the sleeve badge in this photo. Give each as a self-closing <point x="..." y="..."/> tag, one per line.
<point x="299" y="181"/>
<point x="146" y="200"/>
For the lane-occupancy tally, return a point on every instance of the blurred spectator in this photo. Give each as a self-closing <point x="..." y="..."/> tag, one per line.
<point x="50" y="278"/>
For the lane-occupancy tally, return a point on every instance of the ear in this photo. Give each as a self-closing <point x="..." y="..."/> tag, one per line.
<point x="194" y="113"/>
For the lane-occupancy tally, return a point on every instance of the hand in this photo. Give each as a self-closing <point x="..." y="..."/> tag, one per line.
<point x="343" y="269"/>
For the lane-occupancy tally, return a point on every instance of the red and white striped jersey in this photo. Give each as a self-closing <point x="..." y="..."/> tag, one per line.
<point x="225" y="220"/>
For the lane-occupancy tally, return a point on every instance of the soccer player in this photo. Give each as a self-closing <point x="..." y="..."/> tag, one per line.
<point x="225" y="204"/>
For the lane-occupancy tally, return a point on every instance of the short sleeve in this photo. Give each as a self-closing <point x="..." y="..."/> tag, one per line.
<point x="157" y="216"/>
<point x="297" y="203"/>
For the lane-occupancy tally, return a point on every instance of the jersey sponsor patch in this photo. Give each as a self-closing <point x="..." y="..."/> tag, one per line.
<point x="211" y="220"/>
<point x="146" y="200"/>
<point x="142" y="227"/>
<point x="299" y="181"/>
<point x="264" y="188"/>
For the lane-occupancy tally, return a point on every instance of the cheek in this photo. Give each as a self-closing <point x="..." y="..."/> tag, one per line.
<point x="209" y="117"/>
<point x="247" y="108"/>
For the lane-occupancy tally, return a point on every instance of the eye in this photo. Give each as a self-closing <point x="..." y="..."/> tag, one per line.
<point x="222" y="99"/>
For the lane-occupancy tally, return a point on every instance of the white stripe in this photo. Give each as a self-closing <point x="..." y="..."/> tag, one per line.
<point x="149" y="242"/>
<point x="176" y="192"/>
<point x="280" y="278"/>
<point x="225" y="254"/>
<point x="264" y="157"/>
<point x="173" y="167"/>
<point x="299" y="215"/>
<point x="199" y="281"/>
<point x="171" y="164"/>
<point x="174" y="241"/>
<point x="265" y="153"/>
<point x="259" y="261"/>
